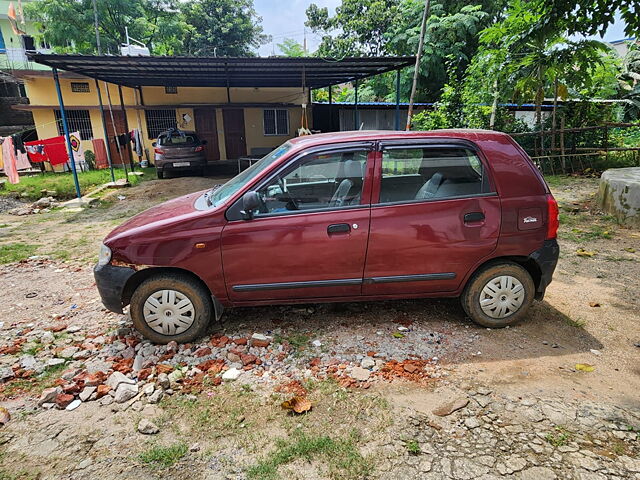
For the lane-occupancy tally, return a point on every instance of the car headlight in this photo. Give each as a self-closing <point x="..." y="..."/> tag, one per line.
<point x="104" y="256"/>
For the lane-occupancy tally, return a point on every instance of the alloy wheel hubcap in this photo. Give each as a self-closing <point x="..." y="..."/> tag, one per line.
<point x="169" y="312"/>
<point x="502" y="296"/>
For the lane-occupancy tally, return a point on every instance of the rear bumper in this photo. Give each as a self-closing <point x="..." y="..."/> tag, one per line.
<point x="546" y="258"/>
<point x="111" y="281"/>
<point x="166" y="165"/>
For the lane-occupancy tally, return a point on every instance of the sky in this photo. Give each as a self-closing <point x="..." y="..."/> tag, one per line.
<point x="285" y="19"/>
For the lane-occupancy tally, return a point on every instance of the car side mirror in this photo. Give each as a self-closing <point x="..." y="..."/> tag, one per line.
<point x="203" y="142"/>
<point x="154" y="144"/>
<point x="250" y="201"/>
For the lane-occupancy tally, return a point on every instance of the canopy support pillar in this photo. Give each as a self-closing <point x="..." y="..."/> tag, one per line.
<point x="65" y="127"/>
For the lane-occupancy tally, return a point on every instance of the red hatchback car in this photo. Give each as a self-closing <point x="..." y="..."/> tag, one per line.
<point x="340" y="217"/>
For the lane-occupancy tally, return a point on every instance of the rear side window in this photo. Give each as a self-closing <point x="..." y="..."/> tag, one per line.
<point x="429" y="173"/>
<point x="177" y="140"/>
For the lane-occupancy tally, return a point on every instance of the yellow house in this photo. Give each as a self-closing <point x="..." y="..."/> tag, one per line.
<point x="241" y="107"/>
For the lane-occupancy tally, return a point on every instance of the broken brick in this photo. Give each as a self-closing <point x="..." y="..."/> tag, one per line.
<point x="63" y="399"/>
<point x="202" y="352"/>
<point x="102" y="390"/>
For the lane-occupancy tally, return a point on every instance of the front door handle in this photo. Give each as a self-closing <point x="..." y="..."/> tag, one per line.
<point x="473" y="217"/>
<point x="338" y="228"/>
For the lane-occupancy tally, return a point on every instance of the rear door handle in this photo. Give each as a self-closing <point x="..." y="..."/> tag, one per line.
<point x="473" y="217"/>
<point x="338" y="228"/>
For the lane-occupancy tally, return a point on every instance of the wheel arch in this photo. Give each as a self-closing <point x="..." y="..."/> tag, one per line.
<point x="141" y="275"/>
<point x="527" y="263"/>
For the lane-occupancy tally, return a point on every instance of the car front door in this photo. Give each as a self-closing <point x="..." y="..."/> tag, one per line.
<point x="434" y="215"/>
<point x="308" y="238"/>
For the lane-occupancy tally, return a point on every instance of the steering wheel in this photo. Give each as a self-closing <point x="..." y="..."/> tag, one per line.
<point x="284" y="192"/>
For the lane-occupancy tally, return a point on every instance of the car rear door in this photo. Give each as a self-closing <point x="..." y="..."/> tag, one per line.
<point x="434" y="215"/>
<point x="303" y="242"/>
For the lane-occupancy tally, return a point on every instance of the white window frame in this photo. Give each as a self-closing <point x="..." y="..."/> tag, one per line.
<point x="275" y="119"/>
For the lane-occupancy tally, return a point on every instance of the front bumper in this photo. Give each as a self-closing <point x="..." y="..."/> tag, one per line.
<point x="546" y="258"/>
<point x="111" y="281"/>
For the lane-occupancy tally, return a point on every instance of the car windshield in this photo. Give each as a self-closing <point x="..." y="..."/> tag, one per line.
<point x="218" y="196"/>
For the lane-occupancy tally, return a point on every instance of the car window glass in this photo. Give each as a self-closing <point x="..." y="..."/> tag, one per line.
<point x="177" y="139"/>
<point x="413" y="174"/>
<point x="316" y="181"/>
<point x="239" y="181"/>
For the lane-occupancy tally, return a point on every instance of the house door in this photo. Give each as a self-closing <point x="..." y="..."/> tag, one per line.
<point x="118" y="119"/>
<point x="437" y="215"/>
<point x="234" y="138"/>
<point x="309" y="237"/>
<point x="207" y="129"/>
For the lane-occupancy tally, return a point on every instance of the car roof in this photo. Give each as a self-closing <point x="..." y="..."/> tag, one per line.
<point x="371" y="135"/>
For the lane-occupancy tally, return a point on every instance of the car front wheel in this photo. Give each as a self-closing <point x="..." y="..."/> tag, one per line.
<point x="498" y="295"/>
<point x="170" y="306"/>
<point x="160" y="173"/>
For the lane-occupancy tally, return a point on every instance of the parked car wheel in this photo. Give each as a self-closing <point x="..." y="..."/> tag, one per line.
<point x="498" y="295"/>
<point x="160" y="173"/>
<point x="170" y="307"/>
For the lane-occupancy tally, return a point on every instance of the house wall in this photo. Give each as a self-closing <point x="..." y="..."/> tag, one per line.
<point x="42" y="93"/>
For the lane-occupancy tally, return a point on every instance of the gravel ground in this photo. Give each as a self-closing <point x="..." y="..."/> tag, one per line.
<point x="413" y="388"/>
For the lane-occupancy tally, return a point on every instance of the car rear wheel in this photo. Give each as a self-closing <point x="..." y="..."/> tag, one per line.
<point x="498" y="295"/>
<point x="160" y="173"/>
<point x="170" y="307"/>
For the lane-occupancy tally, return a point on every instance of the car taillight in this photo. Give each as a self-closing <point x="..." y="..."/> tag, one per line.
<point x="553" y="217"/>
<point x="198" y="149"/>
<point x="158" y="150"/>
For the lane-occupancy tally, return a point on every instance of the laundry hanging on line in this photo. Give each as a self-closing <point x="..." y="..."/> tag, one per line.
<point x="9" y="159"/>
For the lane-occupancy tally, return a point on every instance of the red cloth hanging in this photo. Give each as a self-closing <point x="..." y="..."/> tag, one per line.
<point x="55" y="150"/>
<point x="101" y="153"/>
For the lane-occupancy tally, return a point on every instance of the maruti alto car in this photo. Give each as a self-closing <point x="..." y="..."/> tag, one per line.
<point x="350" y="216"/>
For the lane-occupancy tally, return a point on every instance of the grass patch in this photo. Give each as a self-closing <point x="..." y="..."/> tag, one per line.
<point x="14" y="252"/>
<point x="559" y="437"/>
<point x="163" y="457"/>
<point x="62" y="184"/>
<point x="555" y="181"/>
<point x="39" y="382"/>
<point x="341" y="456"/>
<point x="413" y="447"/>
<point x="594" y="232"/>
<point x="297" y="340"/>
<point x="575" y="323"/>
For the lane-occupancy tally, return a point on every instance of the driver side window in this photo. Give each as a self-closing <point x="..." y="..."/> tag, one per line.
<point x="317" y="181"/>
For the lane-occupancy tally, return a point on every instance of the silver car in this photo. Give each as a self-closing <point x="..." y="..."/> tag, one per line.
<point x="179" y="150"/>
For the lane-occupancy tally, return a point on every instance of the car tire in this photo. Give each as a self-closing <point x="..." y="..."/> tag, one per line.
<point x="498" y="295"/>
<point x="171" y="307"/>
<point x="160" y="174"/>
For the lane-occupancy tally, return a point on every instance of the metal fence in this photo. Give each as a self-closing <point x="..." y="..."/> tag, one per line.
<point x="570" y="150"/>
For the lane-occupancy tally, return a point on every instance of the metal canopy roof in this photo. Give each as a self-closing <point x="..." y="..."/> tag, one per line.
<point x="311" y="72"/>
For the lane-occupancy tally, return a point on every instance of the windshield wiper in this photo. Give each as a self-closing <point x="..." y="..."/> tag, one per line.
<point x="209" y="194"/>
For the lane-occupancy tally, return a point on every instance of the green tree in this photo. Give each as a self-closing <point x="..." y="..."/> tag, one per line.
<point x="527" y="58"/>
<point x="358" y="27"/>
<point x="68" y="25"/>
<point x="290" y="48"/>
<point x="629" y="81"/>
<point x="167" y="27"/>
<point x="222" y="27"/>
<point x="590" y="17"/>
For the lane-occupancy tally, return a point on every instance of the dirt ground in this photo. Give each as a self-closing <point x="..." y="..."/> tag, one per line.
<point x="529" y="411"/>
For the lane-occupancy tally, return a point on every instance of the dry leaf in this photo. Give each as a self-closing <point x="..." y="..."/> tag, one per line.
<point x="297" y="404"/>
<point x="594" y="304"/>
<point x="4" y="416"/>
<point x="581" y="252"/>
<point x="630" y="250"/>
<point x="585" y="367"/>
